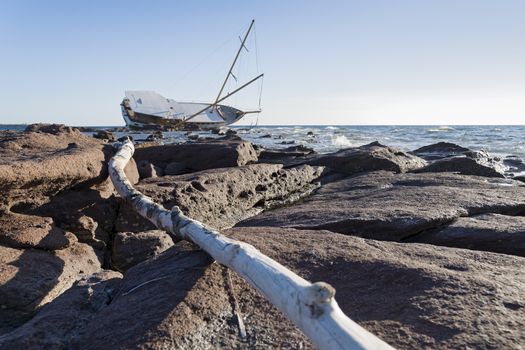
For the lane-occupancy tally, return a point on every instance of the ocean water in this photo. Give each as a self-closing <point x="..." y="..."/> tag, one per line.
<point x="507" y="141"/>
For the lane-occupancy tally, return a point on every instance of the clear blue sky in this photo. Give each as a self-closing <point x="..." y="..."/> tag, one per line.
<point x="325" y="62"/>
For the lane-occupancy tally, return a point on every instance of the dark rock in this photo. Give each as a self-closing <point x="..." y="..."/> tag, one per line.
<point x="373" y="156"/>
<point x="175" y="168"/>
<point x="201" y="155"/>
<point x="290" y="156"/>
<point x="53" y="129"/>
<point x="31" y="278"/>
<point x="58" y="323"/>
<point x="387" y="206"/>
<point x="464" y="166"/>
<point x="514" y="164"/>
<point x="266" y="136"/>
<point x="410" y="295"/>
<point x="222" y="197"/>
<point x="157" y="135"/>
<point x="489" y="232"/>
<point x="193" y="137"/>
<point x="519" y="178"/>
<point x="310" y="133"/>
<point x="105" y="135"/>
<point x="146" y="169"/>
<point x="440" y="150"/>
<point x="131" y="248"/>
<point x="25" y="231"/>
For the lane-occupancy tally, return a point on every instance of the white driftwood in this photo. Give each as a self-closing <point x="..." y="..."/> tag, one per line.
<point x="311" y="307"/>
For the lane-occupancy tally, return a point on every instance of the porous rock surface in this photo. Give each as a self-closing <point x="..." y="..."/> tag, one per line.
<point x="222" y="197"/>
<point x="387" y="206"/>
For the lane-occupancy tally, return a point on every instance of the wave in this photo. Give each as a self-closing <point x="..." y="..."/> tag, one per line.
<point x="331" y="128"/>
<point x="341" y="141"/>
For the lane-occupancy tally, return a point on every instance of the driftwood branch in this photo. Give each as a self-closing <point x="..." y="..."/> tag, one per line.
<point x="311" y="307"/>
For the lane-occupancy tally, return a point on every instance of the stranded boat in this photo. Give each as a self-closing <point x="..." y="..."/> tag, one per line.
<point x="146" y="109"/>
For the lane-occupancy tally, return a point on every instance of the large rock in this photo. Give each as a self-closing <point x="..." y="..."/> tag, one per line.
<point x="490" y="232"/>
<point x="31" y="278"/>
<point x="440" y="150"/>
<point x="131" y="248"/>
<point x="373" y="156"/>
<point x="35" y="165"/>
<point x="199" y="155"/>
<point x="410" y="295"/>
<point x="59" y="323"/>
<point x="26" y="231"/>
<point x="389" y="206"/>
<point x="89" y="213"/>
<point x="222" y="197"/>
<point x="48" y="159"/>
<point x="465" y="166"/>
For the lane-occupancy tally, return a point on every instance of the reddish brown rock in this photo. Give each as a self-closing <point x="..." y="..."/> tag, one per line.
<point x="25" y="231"/>
<point x="222" y="197"/>
<point x="373" y="156"/>
<point x="58" y="323"/>
<point x="130" y="248"/>
<point x="389" y="206"/>
<point x="410" y="295"/>
<point x="490" y="232"/>
<point x="199" y="155"/>
<point x="31" y="278"/>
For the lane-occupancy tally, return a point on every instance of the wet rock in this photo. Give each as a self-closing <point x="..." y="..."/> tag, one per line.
<point x="61" y="321"/>
<point x="105" y="135"/>
<point x="266" y="136"/>
<point x="146" y="170"/>
<point x="514" y="164"/>
<point x="155" y="136"/>
<point x="410" y="295"/>
<point x="465" y="166"/>
<point x="38" y="164"/>
<point x="25" y="231"/>
<point x="293" y="155"/>
<point x="131" y="248"/>
<point x="489" y="232"/>
<point x="440" y="150"/>
<point x="387" y="206"/>
<point x="310" y="133"/>
<point x="31" y="278"/>
<point x="373" y="156"/>
<point x="222" y="197"/>
<point x="201" y="155"/>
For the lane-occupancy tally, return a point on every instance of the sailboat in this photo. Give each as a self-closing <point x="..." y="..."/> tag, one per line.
<point x="149" y="109"/>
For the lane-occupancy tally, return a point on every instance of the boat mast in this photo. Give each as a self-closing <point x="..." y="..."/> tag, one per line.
<point x="234" y="61"/>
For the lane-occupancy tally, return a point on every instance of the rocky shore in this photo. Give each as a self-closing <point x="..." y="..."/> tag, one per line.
<point x="425" y="249"/>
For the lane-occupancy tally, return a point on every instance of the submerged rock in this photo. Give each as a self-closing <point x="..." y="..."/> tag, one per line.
<point x="383" y="205"/>
<point x="105" y="135"/>
<point x="222" y="197"/>
<point x="489" y="232"/>
<point x="373" y="156"/>
<point x="131" y="248"/>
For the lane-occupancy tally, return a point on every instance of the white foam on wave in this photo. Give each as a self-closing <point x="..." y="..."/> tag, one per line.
<point x="441" y="129"/>
<point x="341" y="141"/>
<point x="331" y="128"/>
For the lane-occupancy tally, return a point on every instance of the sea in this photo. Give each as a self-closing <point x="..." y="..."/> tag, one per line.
<point x="503" y="141"/>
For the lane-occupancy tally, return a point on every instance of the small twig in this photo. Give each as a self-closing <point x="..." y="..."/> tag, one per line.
<point x="236" y="308"/>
